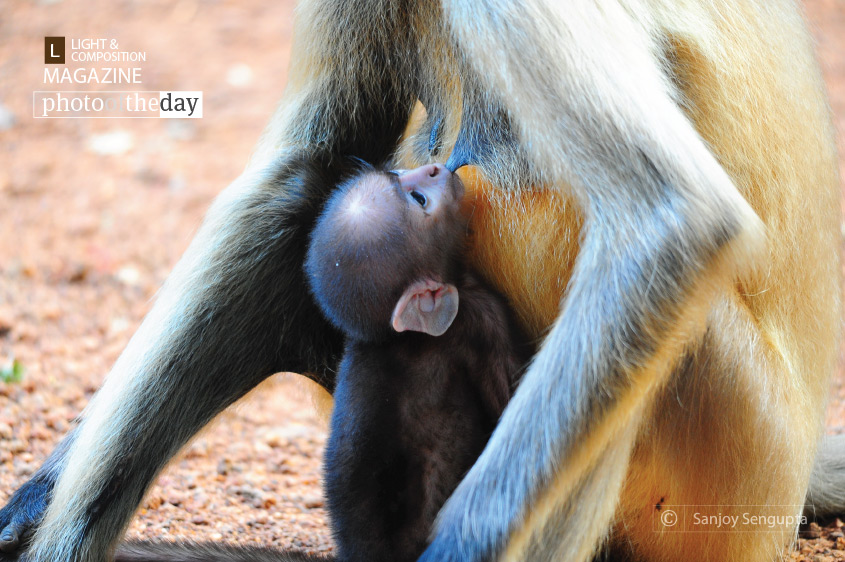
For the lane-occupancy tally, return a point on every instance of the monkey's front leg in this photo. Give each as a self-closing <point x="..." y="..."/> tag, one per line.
<point x="665" y="228"/>
<point x="547" y="484"/>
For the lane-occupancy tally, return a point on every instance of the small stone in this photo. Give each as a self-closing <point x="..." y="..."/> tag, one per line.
<point x="154" y="502"/>
<point x="7" y="118"/>
<point x="180" y="129"/>
<point x="6" y="322"/>
<point x="113" y="143"/>
<point x="239" y="75"/>
<point x="24" y="469"/>
<point x="118" y="325"/>
<point x="177" y="183"/>
<point x="39" y="433"/>
<point x="224" y="467"/>
<point x="129" y="276"/>
<point x="312" y="502"/>
<point x="813" y="531"/>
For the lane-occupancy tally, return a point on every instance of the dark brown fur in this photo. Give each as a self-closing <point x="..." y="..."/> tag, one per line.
<point x="412" y="411"/>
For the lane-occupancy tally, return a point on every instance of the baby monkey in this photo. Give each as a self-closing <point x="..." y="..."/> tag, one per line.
<point x="422" y="382"/>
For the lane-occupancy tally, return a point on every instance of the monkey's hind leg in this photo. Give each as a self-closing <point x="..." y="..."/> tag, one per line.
<point x="223" y="322"/>
<point x="236" y="308"/>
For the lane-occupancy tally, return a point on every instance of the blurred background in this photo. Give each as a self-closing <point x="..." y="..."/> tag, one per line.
<point x="95" y="212"/>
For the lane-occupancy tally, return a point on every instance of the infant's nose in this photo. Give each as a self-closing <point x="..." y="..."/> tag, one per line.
<point x="430" y="175"/>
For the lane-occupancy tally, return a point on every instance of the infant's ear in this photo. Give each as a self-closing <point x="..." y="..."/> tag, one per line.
<point x="426" y="306"/>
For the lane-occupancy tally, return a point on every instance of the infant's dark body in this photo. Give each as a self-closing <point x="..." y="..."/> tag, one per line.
<point x="411" y="416"/>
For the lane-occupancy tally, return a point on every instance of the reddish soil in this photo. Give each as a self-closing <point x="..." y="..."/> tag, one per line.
<point x="87" y="238"/>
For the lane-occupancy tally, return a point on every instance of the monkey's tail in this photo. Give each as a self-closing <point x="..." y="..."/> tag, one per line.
<point x="826" y="493"/>
<point x="153" y="551"/>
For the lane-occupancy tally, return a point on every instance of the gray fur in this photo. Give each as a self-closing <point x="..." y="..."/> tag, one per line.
<point x="235" y="310"/>
<point x="826" y="494"/>
<point x="148" y="551"/>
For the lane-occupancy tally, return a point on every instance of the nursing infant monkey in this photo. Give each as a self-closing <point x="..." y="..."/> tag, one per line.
<point x="412" y="412"/>
<point x="658" y="199"/>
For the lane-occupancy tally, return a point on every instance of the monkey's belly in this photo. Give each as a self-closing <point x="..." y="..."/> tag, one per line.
<point x="524" y="243"/>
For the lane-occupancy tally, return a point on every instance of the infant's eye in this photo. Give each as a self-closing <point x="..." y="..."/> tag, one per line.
<point x="419" y="198"/>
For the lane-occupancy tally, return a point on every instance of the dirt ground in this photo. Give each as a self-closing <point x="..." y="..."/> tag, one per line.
<point x="95" y="212"/>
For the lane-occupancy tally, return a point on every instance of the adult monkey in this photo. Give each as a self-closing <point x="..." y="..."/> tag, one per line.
<point x="688" y="360"/>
